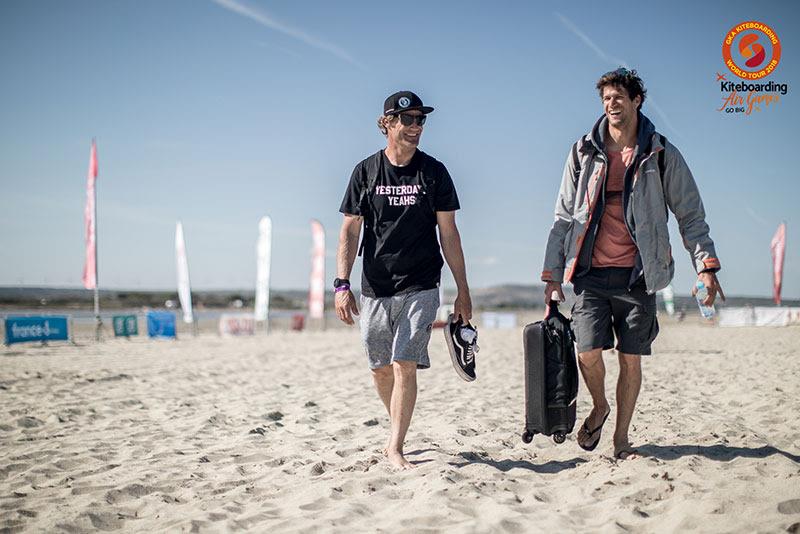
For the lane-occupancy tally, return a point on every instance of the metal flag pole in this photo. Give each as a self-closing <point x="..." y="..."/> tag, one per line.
<point x="98" y="321"/>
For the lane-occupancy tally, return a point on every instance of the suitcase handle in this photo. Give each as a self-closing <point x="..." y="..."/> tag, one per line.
<point x="552" y="308"/>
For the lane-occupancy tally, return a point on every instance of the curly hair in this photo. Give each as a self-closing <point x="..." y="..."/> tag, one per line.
<point x="383" y="120"/>
<point x="627" y="79"/>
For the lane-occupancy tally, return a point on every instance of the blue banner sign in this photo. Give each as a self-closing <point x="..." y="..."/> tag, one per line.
<point x="41" y="328"/>
<point x="125" y="325"/>
<point x="161" y="324"/>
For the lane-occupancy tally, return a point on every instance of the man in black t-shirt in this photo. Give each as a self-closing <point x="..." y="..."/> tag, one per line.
<point x="400" y="196"/>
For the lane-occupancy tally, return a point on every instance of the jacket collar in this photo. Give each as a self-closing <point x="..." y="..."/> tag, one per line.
<point x="595" y="141"/>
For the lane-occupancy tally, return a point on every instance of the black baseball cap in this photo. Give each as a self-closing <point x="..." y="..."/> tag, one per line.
<point x="404" y="101"/>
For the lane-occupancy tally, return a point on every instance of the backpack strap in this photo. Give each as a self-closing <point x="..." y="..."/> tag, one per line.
<point x="427" y="177"/>
<point x="576" y="163"/>
<point x="576" y="160"/>
<point x="662" y="167"/>
<point x="373" y="172"/>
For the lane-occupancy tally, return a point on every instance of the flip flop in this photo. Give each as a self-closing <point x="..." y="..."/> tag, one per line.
<point x="590" y="433"/>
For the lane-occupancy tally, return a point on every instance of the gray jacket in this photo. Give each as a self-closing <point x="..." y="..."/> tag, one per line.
<point x="645" y="201"/>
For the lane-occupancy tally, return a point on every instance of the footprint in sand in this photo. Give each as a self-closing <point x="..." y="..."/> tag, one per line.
<point x="251" y="458"/>
<point x="83" y="490"/>
<point x="106" y="520"/>
<point x="344" y="453"/>
<point x="644" y="497"/>
<point x="29" y="422"/>
<point x="134" y="491"/>
<point x="789" y="507"/>
<point x="399" y="495"/>
<point x="361" y="465"/>
<point x="512" y="526"/>
<point x="199" y="526"/>
<point x="5" y="471"/>
<point x="318" y="468"/>
<point x="318" y="504"/>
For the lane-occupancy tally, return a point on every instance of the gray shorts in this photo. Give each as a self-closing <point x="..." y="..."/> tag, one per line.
<point x="605" y="307"/>
<point x="399" y="327"/>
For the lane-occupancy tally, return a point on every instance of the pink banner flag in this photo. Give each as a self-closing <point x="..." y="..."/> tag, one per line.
<point x="89" y="214"/>
<point x="778" y="246"/>
<point x="316" y="294"/>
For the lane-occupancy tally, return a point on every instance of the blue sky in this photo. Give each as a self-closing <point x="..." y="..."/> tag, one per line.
<point x="217" y="113"/>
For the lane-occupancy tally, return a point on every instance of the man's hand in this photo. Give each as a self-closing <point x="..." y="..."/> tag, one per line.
<point x="548" y="292"/>
<point x="463" y="307"/>
<point x="712" y="286"/>
<point x="346" y="306"/>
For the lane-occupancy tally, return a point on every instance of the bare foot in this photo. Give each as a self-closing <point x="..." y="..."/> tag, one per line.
<point x="398" y="460"/>
<point x="625" y="451"/>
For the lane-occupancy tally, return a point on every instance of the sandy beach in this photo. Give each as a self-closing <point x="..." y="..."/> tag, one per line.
<point x="282" y="433"/>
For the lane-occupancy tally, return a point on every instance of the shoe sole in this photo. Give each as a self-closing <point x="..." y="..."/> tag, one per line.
<point x="448" y="339"/>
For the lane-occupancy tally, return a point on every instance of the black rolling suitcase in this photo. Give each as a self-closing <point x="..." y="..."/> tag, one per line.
<point x="551" y="377"/>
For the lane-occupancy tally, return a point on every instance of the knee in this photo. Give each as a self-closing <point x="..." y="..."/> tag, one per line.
<point x="630" y="363"/>
<point x="591" y="358"/>
<point x="382" y="374"/>
<point x="404" y="370"/>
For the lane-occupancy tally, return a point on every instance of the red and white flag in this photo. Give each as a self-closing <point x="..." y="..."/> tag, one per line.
<point x="316" y="294"/>
<point x="89" y="214"/>
<point x="778" y="246"/>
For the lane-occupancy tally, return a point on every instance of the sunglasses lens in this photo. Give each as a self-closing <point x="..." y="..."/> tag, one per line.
<point x="408" y="120"/>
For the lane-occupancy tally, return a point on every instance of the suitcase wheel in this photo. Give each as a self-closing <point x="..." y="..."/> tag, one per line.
<point x="527" y="437"/>
<point x="558" y="437"/>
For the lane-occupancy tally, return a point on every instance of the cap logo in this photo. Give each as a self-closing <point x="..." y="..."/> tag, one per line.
<point x="404" y="102"/>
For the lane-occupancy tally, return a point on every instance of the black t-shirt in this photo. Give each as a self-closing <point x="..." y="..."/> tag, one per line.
<point x="401" y="250"/>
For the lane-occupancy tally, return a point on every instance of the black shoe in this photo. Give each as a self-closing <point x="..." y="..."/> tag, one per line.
<point x="462" y="342"/>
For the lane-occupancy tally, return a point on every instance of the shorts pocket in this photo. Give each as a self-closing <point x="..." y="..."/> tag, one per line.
<point x="649" y="334"/>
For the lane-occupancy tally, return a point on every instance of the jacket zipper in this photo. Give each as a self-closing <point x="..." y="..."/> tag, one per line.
<point x="592" y="207"/>
<point x="624" y="214"/>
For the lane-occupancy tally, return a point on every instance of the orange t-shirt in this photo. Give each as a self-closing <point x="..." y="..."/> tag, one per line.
<point x="613" y="246"/>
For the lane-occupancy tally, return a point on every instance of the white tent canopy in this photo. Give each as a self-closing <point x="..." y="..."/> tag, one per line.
<point x="758" y="316"/>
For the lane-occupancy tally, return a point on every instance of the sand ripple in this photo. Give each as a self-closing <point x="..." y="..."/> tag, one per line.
<point x="284" y="433"/>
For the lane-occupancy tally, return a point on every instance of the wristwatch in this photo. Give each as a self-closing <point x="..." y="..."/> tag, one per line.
<point x="341" y="284"/>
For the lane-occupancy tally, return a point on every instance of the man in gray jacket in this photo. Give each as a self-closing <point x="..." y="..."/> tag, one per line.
<point x="610" y="239"/>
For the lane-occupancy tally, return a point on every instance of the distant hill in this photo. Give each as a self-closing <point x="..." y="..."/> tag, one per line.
<point x="509" y="296"/>
<point x="119" y="298"/>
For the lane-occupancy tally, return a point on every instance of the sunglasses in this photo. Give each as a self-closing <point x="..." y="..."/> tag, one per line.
<point x="407" y="119"/>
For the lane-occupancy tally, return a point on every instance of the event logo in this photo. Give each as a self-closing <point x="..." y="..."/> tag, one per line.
<point x="404" y="102"/>
<point x="751" y="50"/>
<point x="748" y="59"/>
